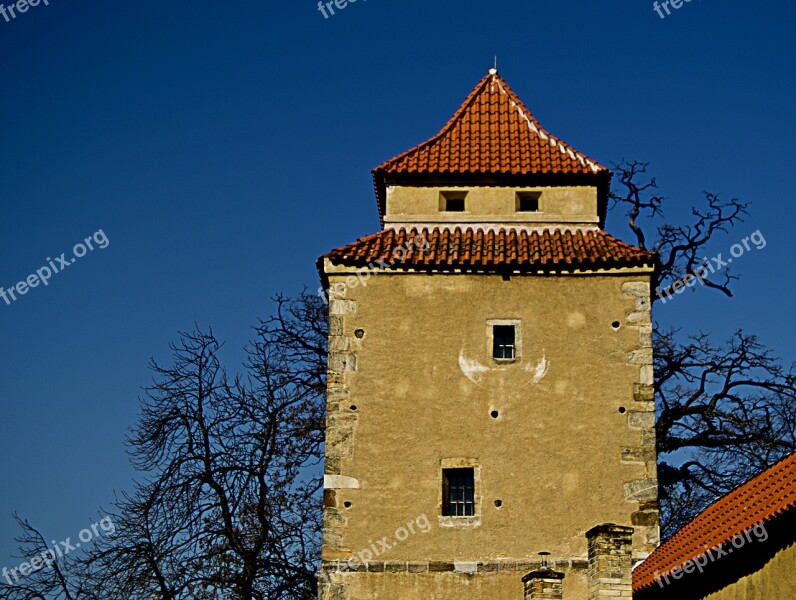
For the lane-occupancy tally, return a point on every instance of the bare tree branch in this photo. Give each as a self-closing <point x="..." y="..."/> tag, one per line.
<point x="682" y="249"/>
<point x="230" y="501"/>
<point x="727" y="410"/>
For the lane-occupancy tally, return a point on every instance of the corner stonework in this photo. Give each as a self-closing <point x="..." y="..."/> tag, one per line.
<point x="340" y="419"/>
<point x="641" y="418"/>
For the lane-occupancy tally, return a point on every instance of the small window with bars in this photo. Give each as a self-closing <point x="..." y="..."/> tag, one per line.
<point x="458" y="492"/>
<point x="503" y="342"/>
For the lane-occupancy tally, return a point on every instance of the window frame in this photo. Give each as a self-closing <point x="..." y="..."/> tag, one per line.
<point x="459" y="477"/>
<point x="473" y="520"/>
<point x="490" y="339"/>
<point x="500" y="345"/>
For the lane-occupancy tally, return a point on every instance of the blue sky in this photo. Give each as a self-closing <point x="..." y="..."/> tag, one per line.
<point x="222" y="147"/>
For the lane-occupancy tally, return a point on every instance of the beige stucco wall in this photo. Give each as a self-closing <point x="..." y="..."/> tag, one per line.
<point x="561" y="457"/>
<point x="775" y="581"/>
<point x="561" y="205"/>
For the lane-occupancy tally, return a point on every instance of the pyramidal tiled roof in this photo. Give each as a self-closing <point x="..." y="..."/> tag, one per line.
<point x="492" y="133"/>
<point x="758" y="501"/>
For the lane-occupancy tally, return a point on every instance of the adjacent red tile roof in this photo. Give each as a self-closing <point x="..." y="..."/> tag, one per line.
<point x="758" y="501"/>
<point x="484" y="251"/>
<point x="492" y="133"/>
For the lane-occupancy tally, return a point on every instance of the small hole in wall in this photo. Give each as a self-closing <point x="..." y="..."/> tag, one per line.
<point x="359" y="334"/>
<point x="494" y="414"/>
<point x="498" y="503"/>
<point x="616" y="324"/>
<point x="622" y="410"/>
<point x="353" y="407"/>
<point x="347" y="504"/>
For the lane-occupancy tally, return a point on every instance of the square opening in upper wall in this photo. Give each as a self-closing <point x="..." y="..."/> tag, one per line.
<point x="453" y="201"/>
<point x="528" y="201"/>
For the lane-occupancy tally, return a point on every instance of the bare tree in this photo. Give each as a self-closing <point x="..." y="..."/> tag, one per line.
<point x="44" y="573"/>
<point x="152" y="553"/>
<point x="725" y="410"/>
<point x="681" y="248"/>
<point x="229" y="505"/>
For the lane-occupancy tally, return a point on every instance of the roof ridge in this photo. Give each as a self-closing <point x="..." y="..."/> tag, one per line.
<point x="537" y="128"/>
<point x="500" y="227"/>
<point x="445" y="128"/>
<point x="508" y="228"/>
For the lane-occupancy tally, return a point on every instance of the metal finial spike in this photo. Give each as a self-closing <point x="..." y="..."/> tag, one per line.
<point x="493" y="71"/>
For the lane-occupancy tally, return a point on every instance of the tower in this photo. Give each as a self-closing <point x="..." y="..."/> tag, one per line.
<point x="490" y="370"/>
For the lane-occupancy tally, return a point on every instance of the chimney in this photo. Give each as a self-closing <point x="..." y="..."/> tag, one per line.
<point x="544" y="583"/>
<point x="610" y="562"/>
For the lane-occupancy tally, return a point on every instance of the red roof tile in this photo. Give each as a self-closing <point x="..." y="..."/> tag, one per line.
<point x="485" y="251"/>
<point x="492" y="133"/>
<point x="758" y="501"/>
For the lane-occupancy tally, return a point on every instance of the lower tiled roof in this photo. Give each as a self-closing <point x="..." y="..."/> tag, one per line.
<point x="757" y="502"/>
<point x="476" y="249"/>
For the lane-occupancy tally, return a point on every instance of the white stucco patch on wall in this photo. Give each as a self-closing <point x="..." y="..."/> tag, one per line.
<point x="472" y="369"/>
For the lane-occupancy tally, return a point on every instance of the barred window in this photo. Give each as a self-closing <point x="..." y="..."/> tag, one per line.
<point x="503" y="342"/>
<point x="458" y="492"/>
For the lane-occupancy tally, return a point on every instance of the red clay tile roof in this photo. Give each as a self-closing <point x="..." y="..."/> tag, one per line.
<point x="492" y="133"/>
<point x="489" y="251"/>
<point x="758" y="501"/>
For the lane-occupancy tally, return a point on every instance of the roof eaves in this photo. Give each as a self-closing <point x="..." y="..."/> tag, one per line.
<point x="697" y="525"/>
